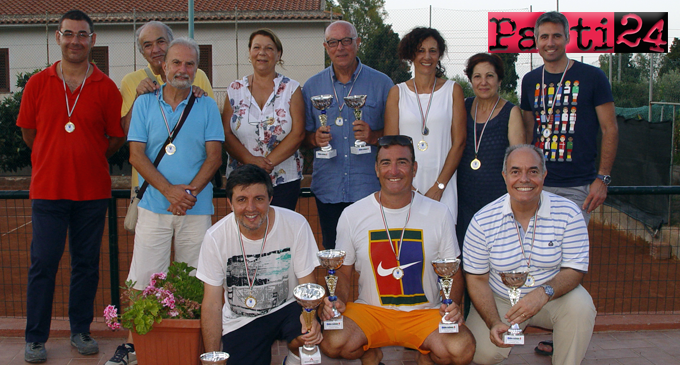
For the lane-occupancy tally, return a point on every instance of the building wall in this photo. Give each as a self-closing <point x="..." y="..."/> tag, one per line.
<point x="31" y="47"/>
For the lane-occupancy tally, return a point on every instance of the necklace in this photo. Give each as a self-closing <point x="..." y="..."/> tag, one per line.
<point x="339" y="121"/>
<point x="259" y="122"/>
<point x="397" y="272"/>
<point x="530" y="278"/>
<point x="546" y="120"/>
<point x="422" y="145"/>
<point x="170" y="148"/>
<point x="70" y="127"/>
<point x="476" y="164"/>
<point x="250" y="301"/>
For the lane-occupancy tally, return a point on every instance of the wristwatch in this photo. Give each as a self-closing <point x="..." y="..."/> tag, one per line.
<point x="440" y="185"/>
<point x="549" y="291"/>
<point x="606" y="179"/>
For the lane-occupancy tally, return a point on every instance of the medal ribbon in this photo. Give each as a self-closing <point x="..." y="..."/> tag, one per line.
<point x="477" y="144"/>
<point x="420" y="107"/>
<point x="533" y="237"/>
<point x="63" y="80"/>
<point x="559" y="88"/>
<point x="243" y="252"/>
<point x="350" y="89"/>
<point x="387" y="230"/>
<point x="170" y="133"/>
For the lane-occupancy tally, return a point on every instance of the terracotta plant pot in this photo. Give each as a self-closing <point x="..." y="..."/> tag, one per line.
<point x="171" y="342"/>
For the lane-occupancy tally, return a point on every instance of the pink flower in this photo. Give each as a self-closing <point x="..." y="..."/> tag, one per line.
<point x="173" y="313"/>
<point x="281" y="113"/>
<point x="111" y="316"/>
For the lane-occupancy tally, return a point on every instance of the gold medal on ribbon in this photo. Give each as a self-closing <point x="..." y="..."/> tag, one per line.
<point x="251" y="302"/>
<point x="530" y="280"/>
<point x="170" y="149"/>
<point x="398" y="273"/>
<point x="339" y="121"/>
<point x="422" y="145"/>
<point x="475" y="164"/>
<point x="70" y="127"/>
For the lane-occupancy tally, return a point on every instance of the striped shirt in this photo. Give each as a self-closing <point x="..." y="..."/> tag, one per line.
<point x="492" y="243"/>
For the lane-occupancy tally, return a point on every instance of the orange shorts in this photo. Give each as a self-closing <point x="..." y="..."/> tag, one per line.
<point x="391" y="327"/>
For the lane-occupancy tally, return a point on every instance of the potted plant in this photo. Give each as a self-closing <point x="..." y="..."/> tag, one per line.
<point x="164" y="317"/>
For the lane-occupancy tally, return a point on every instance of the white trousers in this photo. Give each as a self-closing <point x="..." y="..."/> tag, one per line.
<point x="571" y="317"/>
<point x="153" y="239"/>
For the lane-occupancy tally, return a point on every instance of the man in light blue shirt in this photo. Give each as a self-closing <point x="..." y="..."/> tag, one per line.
<point x="530" y="230"/>
<point x="178" y="201"/>
<point x="340" y="181"/>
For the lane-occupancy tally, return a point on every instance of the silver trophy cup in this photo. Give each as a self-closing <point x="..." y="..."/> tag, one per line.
<point x="322" y="102"/>
<point x="332" y="260"/>
<point x="309" y="296"/>
<point x="214" y="358"/>
<point x="357" y="102"/>
<point x="514" y="280"/>
<point x="446" y="269"/>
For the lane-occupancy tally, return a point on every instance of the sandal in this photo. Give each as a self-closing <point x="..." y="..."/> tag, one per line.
<point x="542" y="352"/>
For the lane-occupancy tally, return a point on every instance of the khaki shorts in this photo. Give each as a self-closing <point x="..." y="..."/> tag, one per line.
<point x="391" y="327"/>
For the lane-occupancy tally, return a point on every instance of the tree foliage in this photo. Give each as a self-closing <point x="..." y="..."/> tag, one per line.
<point x="379" y="42"/>
<point x="14" y="153"/>
<point x="672" y="60"/>
<point x="509" y="84"/>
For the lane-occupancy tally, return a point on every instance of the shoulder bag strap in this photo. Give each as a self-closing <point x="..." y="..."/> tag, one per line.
<point x="161" y="153"/>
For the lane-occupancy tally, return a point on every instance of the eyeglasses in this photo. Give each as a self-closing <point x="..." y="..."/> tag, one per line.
<point x="81" y="35"/>
<point x="400" y="140"/>
<point x="345" y="41"/>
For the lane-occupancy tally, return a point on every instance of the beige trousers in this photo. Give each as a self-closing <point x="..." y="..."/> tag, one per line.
<point x="571" y="317"/>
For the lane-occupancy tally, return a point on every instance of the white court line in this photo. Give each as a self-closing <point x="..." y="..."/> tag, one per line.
<point x="21" y="226"/>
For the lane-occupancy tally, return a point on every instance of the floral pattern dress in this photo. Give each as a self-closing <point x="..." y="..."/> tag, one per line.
<point x="261" y="130"/>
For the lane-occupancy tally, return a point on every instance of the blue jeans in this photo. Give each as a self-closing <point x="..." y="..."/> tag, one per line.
<point x="84" y="221"/>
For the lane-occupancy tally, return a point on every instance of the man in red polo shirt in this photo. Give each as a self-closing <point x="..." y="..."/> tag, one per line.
<point x="70" y="118"/>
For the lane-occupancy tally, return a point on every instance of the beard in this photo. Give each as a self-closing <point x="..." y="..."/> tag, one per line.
<point x="180" y="83"/>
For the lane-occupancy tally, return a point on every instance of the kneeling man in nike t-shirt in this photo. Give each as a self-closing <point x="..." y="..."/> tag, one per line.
<point x="390" y="238"/>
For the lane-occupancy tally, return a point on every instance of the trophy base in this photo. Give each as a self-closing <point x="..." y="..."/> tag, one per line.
<point x="510" y="339"/>
<point x="326" y="154"/>
<point x="310" y="358"/>
<point x="333" y="324"/>
<point x="448" y="327"/>
<point x="360" y="150"/>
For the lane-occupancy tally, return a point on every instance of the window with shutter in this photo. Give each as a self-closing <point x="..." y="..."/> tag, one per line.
<point x="4" y="70"/>
<point x="100" y="57"/>
<point x="206" y="62"/>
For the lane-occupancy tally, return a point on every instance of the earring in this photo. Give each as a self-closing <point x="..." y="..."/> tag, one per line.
<point x="249" y="60"/>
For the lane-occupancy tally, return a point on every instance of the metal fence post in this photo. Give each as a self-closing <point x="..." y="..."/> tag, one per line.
<point x="113" y="253"/>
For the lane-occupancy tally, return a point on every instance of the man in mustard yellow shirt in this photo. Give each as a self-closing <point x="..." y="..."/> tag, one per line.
<point x="153" y="39"/>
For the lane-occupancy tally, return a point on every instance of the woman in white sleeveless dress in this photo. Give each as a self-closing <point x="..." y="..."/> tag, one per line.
<point x="431" y="110"/>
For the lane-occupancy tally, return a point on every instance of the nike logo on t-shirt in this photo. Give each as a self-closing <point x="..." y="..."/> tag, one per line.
<point x="386" y="272"/>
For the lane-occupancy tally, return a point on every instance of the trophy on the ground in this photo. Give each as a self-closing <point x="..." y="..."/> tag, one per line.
<point x="332" y="260"/>
<point x="357" y="102"/>
<point x="322" y="102"/>
<point x="446" y="269"/>
<point x="309" y="296"/>
<point x="514" y="281"/>
<point x="214" y="358"/>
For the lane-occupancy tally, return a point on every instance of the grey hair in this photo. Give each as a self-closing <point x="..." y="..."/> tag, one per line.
<point x="531" y="147"/>
<point x="153" y="23"/>
<point x="188" y="42"/>
<point x="552" y="17"/>
<point x="353" y="30"/>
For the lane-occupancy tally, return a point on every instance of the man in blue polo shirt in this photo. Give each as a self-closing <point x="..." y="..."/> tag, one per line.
<point x="340" y="181"/>
<point x="178" y="201"/>
<point x="531" y="230"/>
